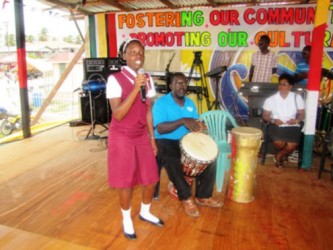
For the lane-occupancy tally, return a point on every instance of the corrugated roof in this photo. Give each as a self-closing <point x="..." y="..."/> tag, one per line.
<point x="87" y="7"/>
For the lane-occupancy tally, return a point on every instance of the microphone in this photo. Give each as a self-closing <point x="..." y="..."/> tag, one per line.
<point x="141" y="71"/>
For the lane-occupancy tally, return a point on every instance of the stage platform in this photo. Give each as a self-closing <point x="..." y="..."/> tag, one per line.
<point x="54" y="195"/>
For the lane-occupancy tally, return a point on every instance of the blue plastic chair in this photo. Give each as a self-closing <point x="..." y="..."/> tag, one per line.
<point x="218" y="122"/>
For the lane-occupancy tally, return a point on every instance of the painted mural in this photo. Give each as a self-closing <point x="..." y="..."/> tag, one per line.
<point x="223" y="36"/>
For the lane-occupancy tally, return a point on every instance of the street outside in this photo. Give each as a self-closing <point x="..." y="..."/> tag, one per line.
<point x="63" y="107"/>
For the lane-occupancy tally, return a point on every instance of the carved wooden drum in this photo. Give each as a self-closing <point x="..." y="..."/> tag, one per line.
<point x="245" y="146"/>
<point x="198" y="151"/>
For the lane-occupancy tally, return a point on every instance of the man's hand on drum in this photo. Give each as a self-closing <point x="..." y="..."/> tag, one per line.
<point x="203" y="127"/>
<point x="193" y="125"/>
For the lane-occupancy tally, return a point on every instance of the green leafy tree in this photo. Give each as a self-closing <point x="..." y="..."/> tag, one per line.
<point x="69" y="39"/>
<point x="30" y="38"/>
<point x="43" y="35"/>
<point x="10" y="40"/>
<point x="78" y="39"/>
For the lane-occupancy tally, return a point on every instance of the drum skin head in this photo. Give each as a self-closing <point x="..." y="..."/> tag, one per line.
<point x="247" y="131"/>
<point x="199" y="146"/>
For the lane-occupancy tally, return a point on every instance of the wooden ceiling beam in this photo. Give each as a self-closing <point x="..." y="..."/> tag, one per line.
<point x="213" y="3"/>
<point x="82" y="6"/>
<point x="113" y="3"/>
<point x="68" y="6"/>
<point x="168" y="4"/>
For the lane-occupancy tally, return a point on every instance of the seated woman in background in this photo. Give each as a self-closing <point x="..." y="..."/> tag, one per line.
<point x="284" y="110"/>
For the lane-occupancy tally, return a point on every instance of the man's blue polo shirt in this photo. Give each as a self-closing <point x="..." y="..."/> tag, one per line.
<point x="302" y="68"/>
<point x="165" y="109"/>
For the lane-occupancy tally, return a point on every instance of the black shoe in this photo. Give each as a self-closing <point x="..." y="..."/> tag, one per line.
<point x="130" y="236"/>
<point x="160" y="223"/>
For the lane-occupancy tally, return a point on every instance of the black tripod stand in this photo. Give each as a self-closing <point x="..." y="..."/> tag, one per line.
<point x="92" y="105"/>
<point x="197" y="62"/>
<point x="216" y="74"/>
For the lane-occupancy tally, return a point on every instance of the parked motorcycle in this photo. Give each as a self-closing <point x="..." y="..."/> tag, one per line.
<point x="9" y="122"/>
<point x="3" y="112"/>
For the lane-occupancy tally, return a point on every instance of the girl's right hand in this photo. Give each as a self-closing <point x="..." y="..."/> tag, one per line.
<point x="140" y="81"/>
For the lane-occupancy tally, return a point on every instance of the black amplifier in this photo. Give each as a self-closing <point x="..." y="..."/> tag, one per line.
<point x="95" y="69"/>
<point x="265" y="89"/>
<point x="100" y="68"/>
<point x="258" y="89"/>
<point x="113" y="65"/>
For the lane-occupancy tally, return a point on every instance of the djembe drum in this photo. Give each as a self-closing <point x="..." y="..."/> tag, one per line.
<point x="198" y="150"/>
<point x="245" y="145"/>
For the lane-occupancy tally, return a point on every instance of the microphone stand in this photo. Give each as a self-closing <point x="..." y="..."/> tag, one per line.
<point x="167" y="74"/>
<point x="92" y="118"/>
<point x="216" y="74"/>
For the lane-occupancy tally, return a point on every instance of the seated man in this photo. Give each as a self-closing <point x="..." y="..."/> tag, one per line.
<point x="284" y="110"/>
<point x="175" y="115"/>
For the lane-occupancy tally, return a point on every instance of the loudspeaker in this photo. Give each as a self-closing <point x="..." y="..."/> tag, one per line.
<point x="96" y="72"/>
<point x="95" y="69"/>
<point x="101" y="68"/>
<point x="100" y="108"/>
<point x="113" y="65"/>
